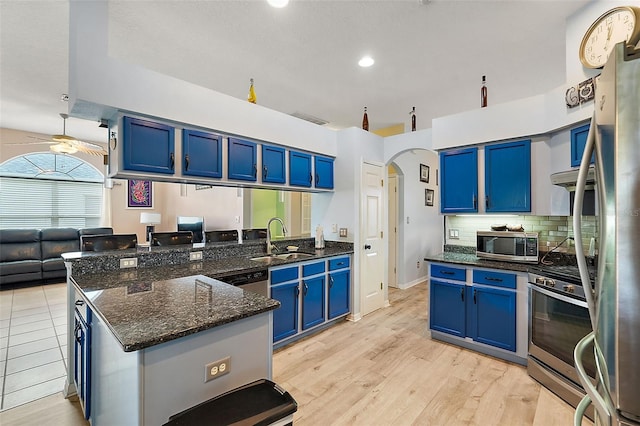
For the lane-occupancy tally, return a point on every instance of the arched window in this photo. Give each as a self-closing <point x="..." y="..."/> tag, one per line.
<point x="48" y="190"/>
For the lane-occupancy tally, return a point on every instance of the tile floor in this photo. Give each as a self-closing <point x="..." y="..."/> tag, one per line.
<point x="33" y="343"/>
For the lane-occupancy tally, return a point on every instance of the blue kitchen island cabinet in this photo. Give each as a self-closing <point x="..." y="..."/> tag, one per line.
<point x="300" y="169"/>
<point x="201" y="154"/>
<point x="242" y="160"/>
<point x="459" y="186"/>
<point x="148" y="146"/>
<point x="478" y="308"/>
<point x="273" y="164"/>
<point x="324" y="172"/>
<point x="508" y="177"/>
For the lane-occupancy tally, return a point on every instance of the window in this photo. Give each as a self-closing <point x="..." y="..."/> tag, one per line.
<point x="48" y="190"/>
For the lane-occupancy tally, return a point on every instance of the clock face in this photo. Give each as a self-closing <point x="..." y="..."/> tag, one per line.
<point x="614" y="26"/>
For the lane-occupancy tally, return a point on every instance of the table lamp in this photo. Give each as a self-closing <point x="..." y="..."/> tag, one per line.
<point x="150" y="219"/>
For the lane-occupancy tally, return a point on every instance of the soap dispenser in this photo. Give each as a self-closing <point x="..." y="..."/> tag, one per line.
<point x="319" y="237"/>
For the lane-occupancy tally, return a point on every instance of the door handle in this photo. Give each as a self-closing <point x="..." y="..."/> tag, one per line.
<point x="310" y="178"/>
<point x="186" y="162"/>
<point x="367" y="246"/>
<point x="317" y="179"/>
<point x="264" y="172"/>
<point x="462" y="294"/>
<point x="330" y="281"/>
<point x="255" y="170"/>
<point x="172" y="160"/>
<point x="306" y="288"/>
<point x="474" y="296"/>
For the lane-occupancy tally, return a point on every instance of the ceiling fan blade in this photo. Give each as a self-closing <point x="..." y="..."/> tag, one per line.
<point x="89" y="148"/>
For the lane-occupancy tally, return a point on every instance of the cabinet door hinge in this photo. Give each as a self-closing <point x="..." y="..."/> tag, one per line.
<point x="381" y="182"/>
<point x="381" y="234"/>
<point x="380" y="286"/>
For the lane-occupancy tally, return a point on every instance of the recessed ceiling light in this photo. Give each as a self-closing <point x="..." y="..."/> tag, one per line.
<point x="366" y="61"/>
<point x="278" y="3"/>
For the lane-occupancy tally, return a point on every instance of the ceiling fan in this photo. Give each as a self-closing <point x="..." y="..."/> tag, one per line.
<point x="65" y="144"/>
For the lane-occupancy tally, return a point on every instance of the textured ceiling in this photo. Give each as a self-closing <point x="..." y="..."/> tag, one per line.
<point x="303" y="58"/>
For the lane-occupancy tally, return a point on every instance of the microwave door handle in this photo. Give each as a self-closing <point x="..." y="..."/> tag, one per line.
<point x="577" y="221"/>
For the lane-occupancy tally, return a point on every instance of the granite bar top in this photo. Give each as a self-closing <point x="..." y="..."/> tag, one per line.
<point x="143" y="312"/>
<point x="473" y="260"/>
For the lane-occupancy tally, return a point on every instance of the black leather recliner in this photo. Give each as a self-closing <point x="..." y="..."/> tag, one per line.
<point x="217" y="236"/>
<point x="20" y="255"/>
<point x="108" y="242"/>
<point x="171" y="238"/>
<point x="54" y="242"/>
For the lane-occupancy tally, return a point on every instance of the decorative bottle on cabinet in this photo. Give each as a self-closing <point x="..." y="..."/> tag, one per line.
<point x="365" y="120"/>
<point x="483" y="92"/>
<point x="413" y="119"/>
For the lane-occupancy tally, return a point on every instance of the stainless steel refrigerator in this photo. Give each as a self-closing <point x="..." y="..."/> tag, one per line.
<point x="614" y="304"/>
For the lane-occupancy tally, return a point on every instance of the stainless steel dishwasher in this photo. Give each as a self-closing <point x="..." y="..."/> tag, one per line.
<point x="255" y="281"/>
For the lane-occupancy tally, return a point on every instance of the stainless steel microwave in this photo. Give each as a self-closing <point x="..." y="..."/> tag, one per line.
<point x="507" y="246"/>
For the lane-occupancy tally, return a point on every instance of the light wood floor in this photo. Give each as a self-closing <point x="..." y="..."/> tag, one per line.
<point x="381" y="370"/>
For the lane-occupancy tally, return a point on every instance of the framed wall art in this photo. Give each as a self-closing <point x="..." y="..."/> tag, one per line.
<point x="139" y="194"/>
<point x="428" y="197"/>
<point x="424" y="173"/>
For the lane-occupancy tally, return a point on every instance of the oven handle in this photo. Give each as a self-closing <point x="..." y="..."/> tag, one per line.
<point x="557" y="296"/>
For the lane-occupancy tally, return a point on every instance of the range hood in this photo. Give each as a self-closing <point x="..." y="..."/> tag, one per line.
<point x="568" y="179"/>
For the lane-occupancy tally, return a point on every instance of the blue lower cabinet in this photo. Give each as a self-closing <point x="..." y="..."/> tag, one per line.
<point x="493" y="317"/>
<point x="285" y="318"/>
<point x="447" y="307"/>
<point x="313" y="301"/>
<point x="339" y="293"/>
<point x="82" y="361"/>
<point x="487" y="314"/>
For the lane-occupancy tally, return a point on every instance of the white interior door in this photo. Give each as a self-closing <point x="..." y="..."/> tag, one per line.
<point x="392" y="231"/>
<point x="372" y="269"/>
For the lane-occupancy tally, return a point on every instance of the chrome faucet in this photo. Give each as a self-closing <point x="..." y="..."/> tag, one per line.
<point x="284" y="232"/>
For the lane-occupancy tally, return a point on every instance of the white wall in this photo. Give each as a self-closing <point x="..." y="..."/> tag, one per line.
<point x="99" y="85"/>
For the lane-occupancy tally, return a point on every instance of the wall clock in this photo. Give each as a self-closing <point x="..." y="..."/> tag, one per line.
<point x="618" y="24"/>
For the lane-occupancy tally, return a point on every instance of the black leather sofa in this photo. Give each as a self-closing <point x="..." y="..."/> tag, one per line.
<point x="33" y="255"/>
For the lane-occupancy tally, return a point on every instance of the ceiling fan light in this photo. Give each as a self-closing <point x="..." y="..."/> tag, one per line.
<point x="62" y="138"/>
<point x="63" y="148"/>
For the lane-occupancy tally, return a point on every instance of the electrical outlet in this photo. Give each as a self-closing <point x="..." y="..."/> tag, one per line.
<point x="216" y="369"/>
<point x="195" y="255"/>
<point x="129" y="262"/>
<point x="343" y="232"/>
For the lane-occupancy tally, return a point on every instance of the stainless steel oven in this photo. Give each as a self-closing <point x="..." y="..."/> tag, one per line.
<point x="558" y="319"/>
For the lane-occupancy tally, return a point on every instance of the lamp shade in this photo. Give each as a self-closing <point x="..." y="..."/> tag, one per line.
<point x="150" y="218"/>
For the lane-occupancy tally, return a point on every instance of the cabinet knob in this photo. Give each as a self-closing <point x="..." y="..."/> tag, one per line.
<point x="79" y="302"/>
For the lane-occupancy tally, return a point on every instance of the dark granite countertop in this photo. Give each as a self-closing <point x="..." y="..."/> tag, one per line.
<point x="145" y="312"/>
<point x="473" y="260"/>
<point x="149" y="305"/>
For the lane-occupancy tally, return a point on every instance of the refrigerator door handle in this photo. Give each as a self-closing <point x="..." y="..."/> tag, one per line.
<point x="577" y="221"/>
<point x="598" y="401"/>
<point x="580" y="409"/>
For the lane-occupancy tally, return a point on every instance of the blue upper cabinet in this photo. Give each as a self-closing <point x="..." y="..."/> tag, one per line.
<point x="273" y="164"/>
<point x="202" y="154"/>
<point x="147" y="146"/>
<point x="242" y="160"/>
<point x="324" y="172"/>
<point x="300" y="169"/>
<point x="459" y="186"/>
<point x="578" y="142"/>
<point x="508" y="177"/>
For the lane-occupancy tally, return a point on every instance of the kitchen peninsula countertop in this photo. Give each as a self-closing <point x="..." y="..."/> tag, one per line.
<point x="143" y="312"/>
<point x="146" y="306"/>
<point x="473" y="260"/>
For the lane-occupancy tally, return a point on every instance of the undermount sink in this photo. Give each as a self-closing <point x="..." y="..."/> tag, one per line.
<point x="282" y="256"/>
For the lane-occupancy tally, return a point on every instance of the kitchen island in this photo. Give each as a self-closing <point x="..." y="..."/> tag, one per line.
<point x="150" y="343"/>
<point x="152" y="329"/>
